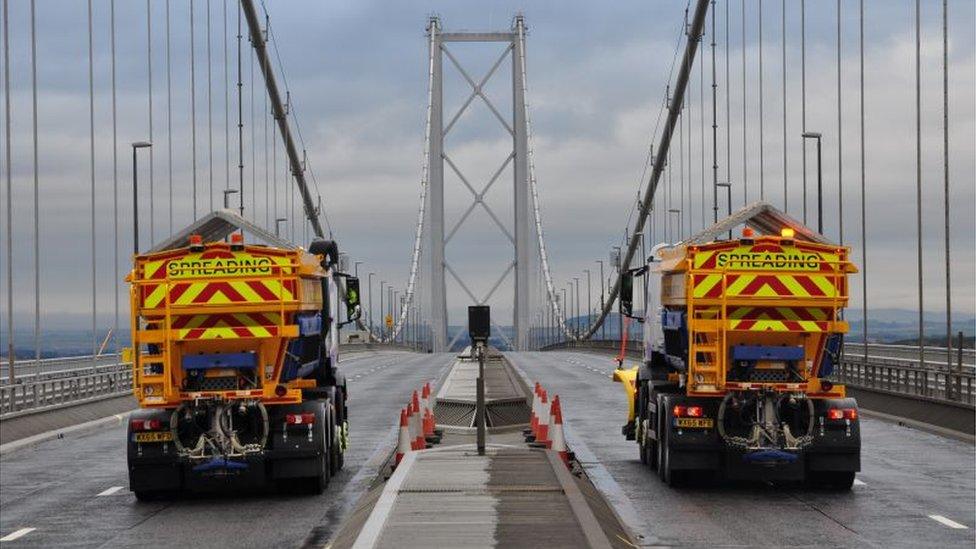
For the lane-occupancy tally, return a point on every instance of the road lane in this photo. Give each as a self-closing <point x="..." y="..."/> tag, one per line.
<point x="54" y="487"/>
<point x="908" y="475"/>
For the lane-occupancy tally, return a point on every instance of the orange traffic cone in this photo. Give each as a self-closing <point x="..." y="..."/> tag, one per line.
<point x="403" y="442"/>
<point x="419" y="431"/>
<point x="533" y="418"/>
<point x="425" y="407"/>
<point x="558" y="442"/>
<point x="542" y="429"/>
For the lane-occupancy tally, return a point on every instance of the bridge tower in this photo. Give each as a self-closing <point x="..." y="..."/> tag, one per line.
<point x="522" y="238"/>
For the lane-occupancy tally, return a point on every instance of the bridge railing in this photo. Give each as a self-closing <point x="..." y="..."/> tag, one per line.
<point x="893" y="374"/>
<point x="56" y="389"/>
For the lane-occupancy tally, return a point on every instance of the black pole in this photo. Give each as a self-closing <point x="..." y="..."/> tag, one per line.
<point x="135" y="203"/>
<point x="819" y="188"/>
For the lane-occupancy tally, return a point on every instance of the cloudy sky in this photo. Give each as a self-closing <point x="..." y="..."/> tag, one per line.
<point x="357" y="74"/>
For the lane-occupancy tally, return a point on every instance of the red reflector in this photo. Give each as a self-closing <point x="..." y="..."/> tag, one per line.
<point x="679" y="411"/>
<point x="850" y="413"/>
<point x="196" y="240"/>
<point x="835" y="413"/>
<point x="307" y="418"/>
<point x="694" y="411"/>
<point x="146" y="425"/>
<point x="236" y="238"/>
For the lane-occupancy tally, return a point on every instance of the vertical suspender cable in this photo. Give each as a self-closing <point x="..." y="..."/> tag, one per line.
<point x="115" y="186"/>
<point x="91" y="160"/>
<point x="762" y="124"/>
<point x="169" y="119"/>
<point x="9" y="177"/>
<point x="210" y="107"/>
<point x="226" y="106"/>
<point x="864" y="232"/>
<point x="240" y="115"/>
<point x="267" y="182"/>
<point x="149" y="89"/>
<point x="714" y="128"/>
<point x="803" y="97"/>
<point x="786" y="191"/>
<point x="701" y="135"/>
<point x="945" y="171"/>
<point x="840" y="138"/>
<point x="745" y="125"/>
<point x="728" y="103"/>
<point x="251" y="121"/>
<point x="918" y="177"/>
<point x="193" y="111"/>
<point x="37" y="185"/>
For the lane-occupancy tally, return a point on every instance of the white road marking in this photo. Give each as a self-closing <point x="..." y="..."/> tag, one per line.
<point x="109" y="491"/>
<point x="18" y="534"/>
<point x="859" y="482"/>
<point x="948" y="522"/>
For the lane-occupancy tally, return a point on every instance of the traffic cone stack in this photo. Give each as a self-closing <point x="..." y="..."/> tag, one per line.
<point x="546" y="424"/>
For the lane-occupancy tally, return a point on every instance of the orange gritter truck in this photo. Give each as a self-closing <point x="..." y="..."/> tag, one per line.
<point x="235" y="361"/>
<point x="740" y="338"/>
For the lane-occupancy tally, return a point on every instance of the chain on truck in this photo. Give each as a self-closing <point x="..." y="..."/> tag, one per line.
<point x="740" y="339"/>
<point x="235" y="364"/>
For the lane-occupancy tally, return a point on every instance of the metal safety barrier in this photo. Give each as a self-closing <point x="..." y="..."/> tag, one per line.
<point x="45" y="390"/>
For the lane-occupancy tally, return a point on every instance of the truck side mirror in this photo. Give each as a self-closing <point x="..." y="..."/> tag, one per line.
<point x="352" y="298"/>
<point x="627" y="294"/>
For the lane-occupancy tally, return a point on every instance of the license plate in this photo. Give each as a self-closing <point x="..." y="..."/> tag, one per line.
<point x="155" y="436"/>
<point x="694" y="423"/>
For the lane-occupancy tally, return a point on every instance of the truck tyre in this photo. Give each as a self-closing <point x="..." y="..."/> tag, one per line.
<point x="319" y="483"/>
<point x="639" y="424"/>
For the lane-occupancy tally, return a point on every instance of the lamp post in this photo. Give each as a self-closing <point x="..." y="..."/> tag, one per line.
<point x="370" y="277"/>
<point x="577" y="301"/>
<point x="728" y="196"/>
<point x="589" y="300"/>
<point x="603" y="327"/>
<point x="819" y="138"/>
<point x="135" y="192"/>
<point x="227" y="193"/>
<point x="564" y="305"/>
<point x="382" y="311"/>
<point x="278" y="225"/>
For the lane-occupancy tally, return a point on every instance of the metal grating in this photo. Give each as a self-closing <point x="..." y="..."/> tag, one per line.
<point x="501" y="414"/>
<point x="454" y="413"/>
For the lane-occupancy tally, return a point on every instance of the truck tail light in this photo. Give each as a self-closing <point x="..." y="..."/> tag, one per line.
<point x="687" y="411"/>
<point x="837" y="414"/>
<point x="146" y="425"/>
<point x="306" y="418"/>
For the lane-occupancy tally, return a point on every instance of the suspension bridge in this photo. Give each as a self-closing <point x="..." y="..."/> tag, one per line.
<point x="131" y="118"/>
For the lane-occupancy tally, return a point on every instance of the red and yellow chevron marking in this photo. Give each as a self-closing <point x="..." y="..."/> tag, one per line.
<point x="224" y="292"/>
<point x="779" y="319"/>
<point x="226" y="326"/>
<point x="765" y="285"/>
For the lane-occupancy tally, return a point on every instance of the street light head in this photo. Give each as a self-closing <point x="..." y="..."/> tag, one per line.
<point x="812" y="135"/>
<point x="141" y="144"/>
